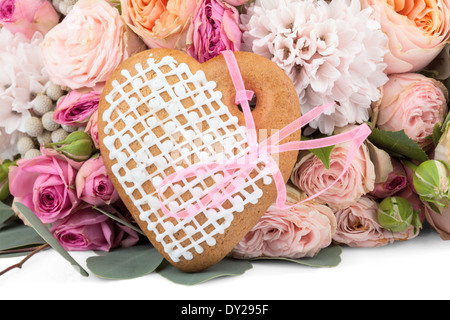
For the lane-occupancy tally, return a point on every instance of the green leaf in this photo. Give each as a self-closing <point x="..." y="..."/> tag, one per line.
<point x="397" y="144"/>
<point x="226" y="267"/>
<point x="43" y="231"/>
<point x="115" y="218"/>
<point x="6" y="212"/>
<point x="126" y="263"/>
<point x="328" y="257"/>
<point x="19" y="236"/>
<point x="437" y="134"/>
<point x="322" y="153"/>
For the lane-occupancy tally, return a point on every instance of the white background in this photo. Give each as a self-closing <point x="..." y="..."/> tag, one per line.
<point x="414" y="269"/>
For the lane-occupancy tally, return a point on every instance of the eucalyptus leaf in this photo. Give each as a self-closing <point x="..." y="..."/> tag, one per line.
<point x="126" y="263"/>
<point x="43" y="231"/>
<point x="19" y="236"/>
<point x="327" y="257"/>
<point x="397" y="144"/>
<point x="117" y="219"/>
<point x="6" y="212"/>
<point x="226" y="267"/>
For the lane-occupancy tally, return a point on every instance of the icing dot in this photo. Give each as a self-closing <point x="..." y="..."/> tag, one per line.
<point x="133" y="103"/>
<point x="122" y="157"/>
<point x="154" y="103"/>
<point x="161" y="162"/>
<point x="156" y="84"/>
<point x="137" y="82"/>
<point x="190" y="231"/>
<point x="151" y="121"/>
<point x="208" y="138"/>
<point x="179" y="90"/>
<point x="211" y="242"/>
<point x="174" y="206"/>
<point x="154" y="202"/>
<point x="148" y="140"/>
<point x="188" y="256"/>
<point x="129" y="120"/>
<point x="170" y="127"/>
<point x="197" y="192"/>
<point x="198" y="249"/>
<point x="173" y="109"/>
<point x="126" y="139"/>
<point x="214" y="123"/>
<point x="177" y="189"/>
<point x="267" y="180"/>
<point x="167" y="146"/>
<point x="169" y="226"/>
<point x="157" y="181"/>
<point x="193" y="116"/>
<point x="185" y="152"/>
<point x="142" y="156"/>
<point x="139" y="175"/>
<point x="190" y="134"/>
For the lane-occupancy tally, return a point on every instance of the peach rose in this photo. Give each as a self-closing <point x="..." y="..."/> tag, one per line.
<point x="311" y="176"/>
<point x="160" y="23"/>
<point x="87" y="46"/>
<point x="414" y="103"/>
<point x="417" y="31"/>
<point x="296" y="233"/>
<point x="439" y="221"/>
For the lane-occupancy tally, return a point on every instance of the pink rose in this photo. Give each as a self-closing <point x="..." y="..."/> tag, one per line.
<point x="357" y="225"/>
<point x="93" y="184"/>
<point x="214" y="28"/>
<point x="46" y="185"/>
<point x="28" y="16"/>
<point x="417" y="31"/>
<point x="160" y="24"/>
<point x="92" y="128"/>
<point x="236" y="2"/>
<point x="87" y="46"/>
<point x="296" y="233"/>
<point x="311" y="176"/>
<point x="414" y="103"/>
<point x="76" y="108"/>
<point x="88" y="229"/>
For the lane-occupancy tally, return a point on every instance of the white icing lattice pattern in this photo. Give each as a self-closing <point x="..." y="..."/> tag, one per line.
<point x="179" y="123"/>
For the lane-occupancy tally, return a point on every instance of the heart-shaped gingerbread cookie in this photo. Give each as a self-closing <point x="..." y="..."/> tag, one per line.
<point x="161" y="112"/>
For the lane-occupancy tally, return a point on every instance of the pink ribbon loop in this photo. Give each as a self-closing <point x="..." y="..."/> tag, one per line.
<point x="237" y="170"/>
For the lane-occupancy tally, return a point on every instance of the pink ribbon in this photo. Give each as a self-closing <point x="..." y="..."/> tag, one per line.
<point x="237" y="170"/>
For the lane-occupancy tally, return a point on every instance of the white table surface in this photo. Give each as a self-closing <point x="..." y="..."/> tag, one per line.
<point x="414" y="269"/>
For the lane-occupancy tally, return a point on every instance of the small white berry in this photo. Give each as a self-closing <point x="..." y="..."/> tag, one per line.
<point x="33" y="126"/>
<point x="69" y="129"/>
<point x="32" y="153"/>
<point x="24" y="144"/>
<point x="48" y="123"/>
<point x="70" y="2"/>
<point x="59" y="135"/>
<point x="54" y="91"/>
<point x="63" y="8"/>
<point x="42" y="104"/>
<point x="45" y="137"/>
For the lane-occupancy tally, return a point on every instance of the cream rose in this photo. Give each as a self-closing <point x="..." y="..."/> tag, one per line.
<point x="414" y="103"/>
<point x="417" y="31"/>
<point x="160" y="23"/>
<point x="295" y="233"/>
<point x="311" y="176"/>
<point x="87" y="46"/>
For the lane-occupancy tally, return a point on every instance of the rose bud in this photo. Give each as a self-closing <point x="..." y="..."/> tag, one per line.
<point x="396" y="181"/>
<point x="396" y="214"/>
<point x="4" y="182"/>
<point x="432" y="182"/>
<point x="77" y="146"/>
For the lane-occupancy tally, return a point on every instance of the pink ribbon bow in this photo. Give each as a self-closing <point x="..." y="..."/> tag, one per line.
<point x="237" y="170"/>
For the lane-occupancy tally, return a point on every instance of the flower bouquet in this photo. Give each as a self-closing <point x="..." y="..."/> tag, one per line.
<point x="382" y="64"/>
